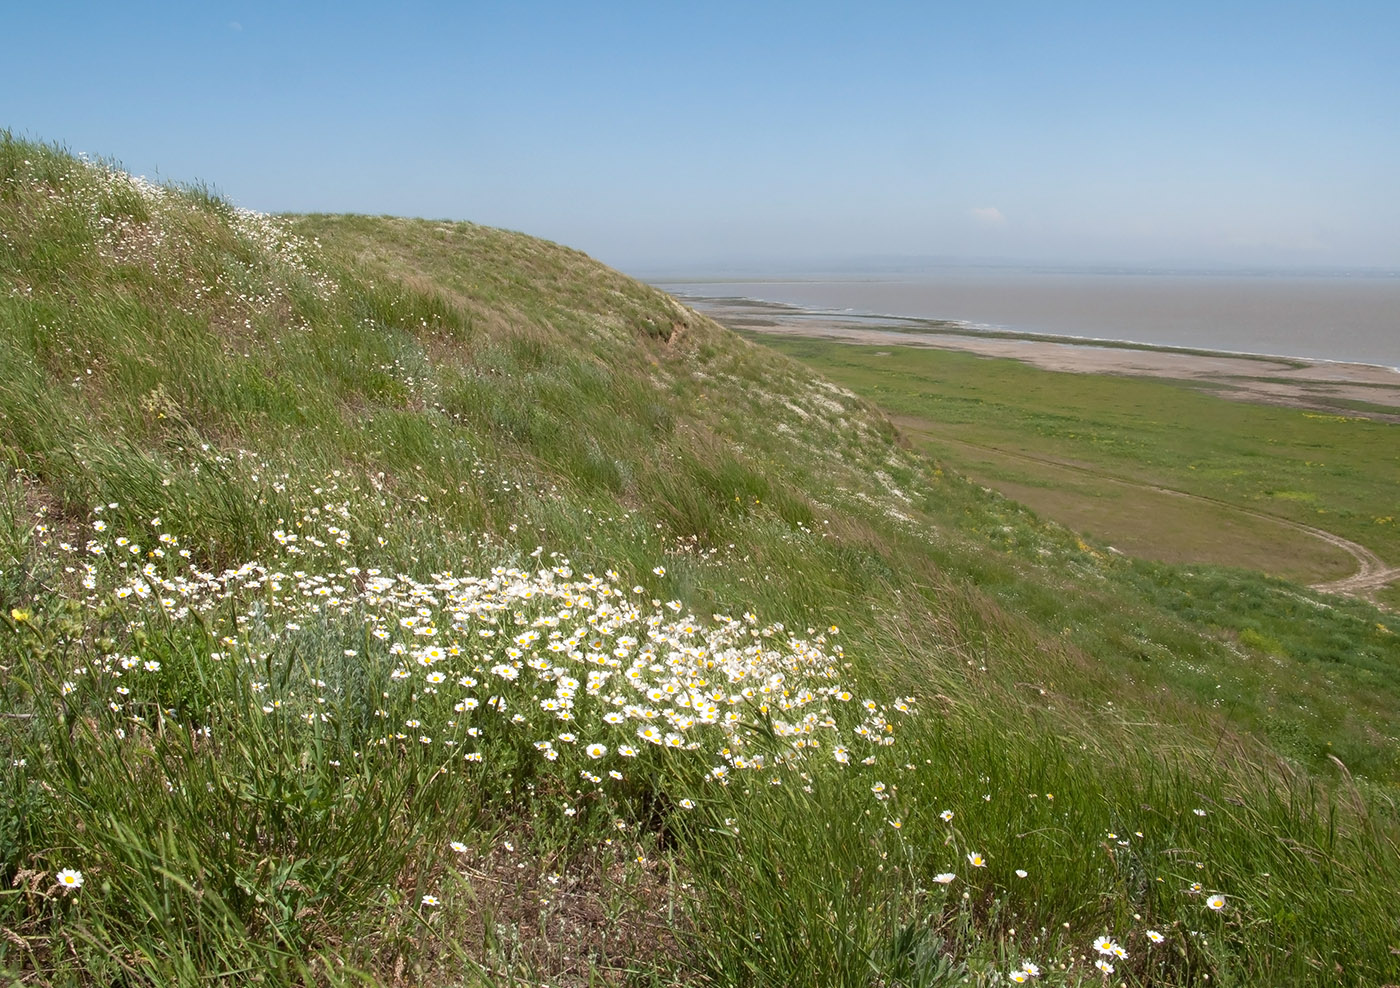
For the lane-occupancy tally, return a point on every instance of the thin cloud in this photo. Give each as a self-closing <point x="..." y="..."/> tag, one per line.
<point x="235" y="26"/>
<point x="988" y="215"/>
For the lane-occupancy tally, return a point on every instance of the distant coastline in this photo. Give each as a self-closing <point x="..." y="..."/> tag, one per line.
<point x="1343" y="318"/>
<point x="1326" y="385"/>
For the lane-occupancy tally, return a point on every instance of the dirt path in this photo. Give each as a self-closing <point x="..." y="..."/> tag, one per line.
<point x="1372" y="572"/>
<point x="1372" y="576"/>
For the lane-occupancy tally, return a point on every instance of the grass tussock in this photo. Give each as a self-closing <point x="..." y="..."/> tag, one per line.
<point x="400" y="602"/>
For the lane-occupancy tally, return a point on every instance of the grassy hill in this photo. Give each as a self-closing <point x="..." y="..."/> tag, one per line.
<point x="405" y="602"/>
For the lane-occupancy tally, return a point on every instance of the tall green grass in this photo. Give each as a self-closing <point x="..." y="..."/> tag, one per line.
<point x="423" y="399"/>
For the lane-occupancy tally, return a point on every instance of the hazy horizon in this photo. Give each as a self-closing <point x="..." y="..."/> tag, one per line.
<point x="913" y="267"/>
<point x="663" y="139"/>
<point x="1349" y="319"/>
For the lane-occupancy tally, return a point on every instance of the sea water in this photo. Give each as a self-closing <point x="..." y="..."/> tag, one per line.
<point x="1344" y="317"/>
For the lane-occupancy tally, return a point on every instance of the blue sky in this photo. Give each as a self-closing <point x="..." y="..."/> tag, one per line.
<point x="669" y="137"/>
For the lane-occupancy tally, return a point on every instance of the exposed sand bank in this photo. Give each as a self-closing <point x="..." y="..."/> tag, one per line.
<point x="1320" y="385"/>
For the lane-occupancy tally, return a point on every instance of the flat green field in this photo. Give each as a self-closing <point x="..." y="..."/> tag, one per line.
<point x="1157" y="469"/>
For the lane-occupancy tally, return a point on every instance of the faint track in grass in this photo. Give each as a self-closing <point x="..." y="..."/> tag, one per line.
<point x="1372" y="573"/>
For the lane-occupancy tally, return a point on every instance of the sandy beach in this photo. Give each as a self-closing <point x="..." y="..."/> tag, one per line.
<point x="1363" y="390"/>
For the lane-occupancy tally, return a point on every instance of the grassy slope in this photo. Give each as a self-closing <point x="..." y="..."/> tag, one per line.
<point x="454" y="398"/>
<point x="1331" y="471"/>
<point x="1067" y="442"/>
